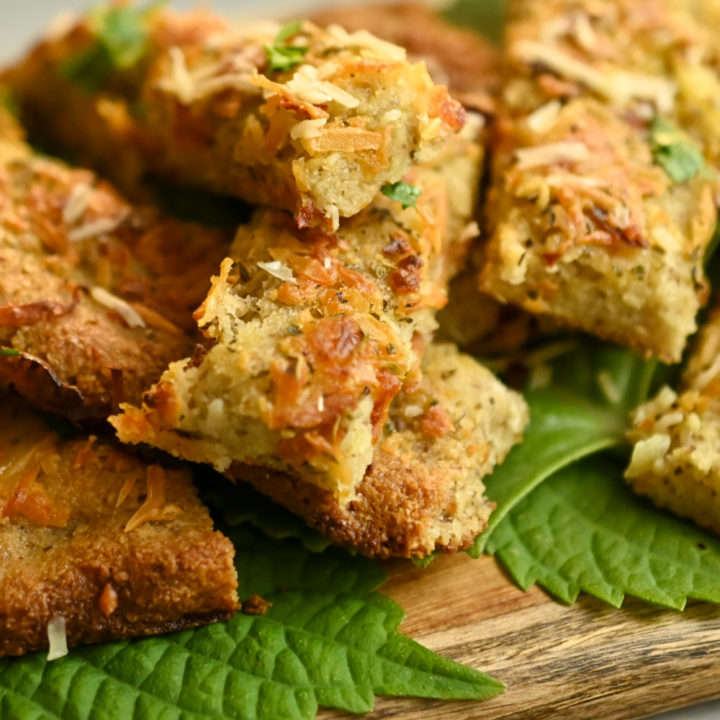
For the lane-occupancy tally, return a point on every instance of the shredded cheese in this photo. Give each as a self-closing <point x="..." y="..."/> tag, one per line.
<point x="261" y="32"/>
<point x="125" y="490"/>
<point x="708" y="375"/>
<point x="307" y="87"/>
<point x="550" y="154"/>
<point x="151" y="509"/>
<point x="430" y="129"/>
<point x="307" y="129"/>
<point x="413" y="411"/>
<point x="617" y="86"/>
<point x="113" y="302"/>
<point x="216" y="411"/>
<point x="366" y="41"/>
<point x="179" y="83"/>
<point x="391" y="116"/>
<point x="279" y="270"/>
<point x="57" y="638"/>
<point x="544" y="117"/>
<point x="101" y="226"/>
<point x="77" y="203"/>
<point x="327" y="69"/>
<point x="242" y="82"/>
<point x="333" y="214"/>
<point x="570" y="180"/>
<point x="646" y="453"/>
<point x="189" y="87"/>
<point x="470" y="231"/>
<point x="669" y="420"/>
<point x="583" y="32"/>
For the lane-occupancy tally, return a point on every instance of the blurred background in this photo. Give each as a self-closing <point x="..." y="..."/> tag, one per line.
<point x="22" y="20"/>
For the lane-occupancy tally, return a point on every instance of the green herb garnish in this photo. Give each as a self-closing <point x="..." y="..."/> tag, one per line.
<point x="282" y="56"/>
<point x="9" y="352"/>
<point x="403" y="193"/>
<point x="674" y="151"/>
<point x="121" y="35"/>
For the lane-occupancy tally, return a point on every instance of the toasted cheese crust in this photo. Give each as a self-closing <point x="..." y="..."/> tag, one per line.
<point x="94" y="535"/>
<point x="319" y="138"/>
<point x="96" y="296"/>
<point x="676" y="436"/>
<point x="585" y="225"/>
<point x="313" y="334"/>
<point x="424" y="491"/>
<point x="461" y="59"/>
<point x="469" y="65"/>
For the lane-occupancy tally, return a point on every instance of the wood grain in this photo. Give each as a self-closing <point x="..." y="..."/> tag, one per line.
<point x="588" y="661"/>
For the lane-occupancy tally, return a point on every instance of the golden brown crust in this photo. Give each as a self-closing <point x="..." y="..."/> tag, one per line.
<point x="65" y="506"/>
<point x="319" y="138"/>
<point x="423" y="491"/>
<point x="389" y="517"/>
<point x="96" y="296"/>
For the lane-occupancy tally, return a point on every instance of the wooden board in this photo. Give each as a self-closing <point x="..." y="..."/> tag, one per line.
<point x="586" y="661"/>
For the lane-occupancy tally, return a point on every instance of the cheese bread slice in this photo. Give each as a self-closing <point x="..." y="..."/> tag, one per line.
<point x="601" y="205"/>
<point x="96" y="295"/>
<point x="424" y="490"/>
<point x="97" y="544"/>
<point x="676" y="438"/>
<point x="308" y="119"/>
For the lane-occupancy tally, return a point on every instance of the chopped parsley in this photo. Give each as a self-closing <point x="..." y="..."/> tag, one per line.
<point x="282" y="56"/>
<point x="8" y="352"/>
<point x="674" y="151"/>
<point x="403" y="193"/>
<point x="121" y="36"/>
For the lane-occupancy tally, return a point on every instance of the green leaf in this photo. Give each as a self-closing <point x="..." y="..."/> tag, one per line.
<point x="8" y="352"/>
<point x="293" y="566"/>
<point x="584" y="410"/>
<point x="563" y="428"/>
<point x="585" y="530"/>
<point x="674" y="151"/>
<point x="327" y="640"/>
<point x="121" y="34"/>
<point x="288" y="31"/>
<point x="242" y="504"/>
<point x="483" y="16"/>
<point x="403" y="193"/>
<point x="282" y="56"/>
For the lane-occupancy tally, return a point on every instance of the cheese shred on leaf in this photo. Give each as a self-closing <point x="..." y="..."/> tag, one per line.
<point x="57" y="639"/>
